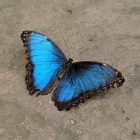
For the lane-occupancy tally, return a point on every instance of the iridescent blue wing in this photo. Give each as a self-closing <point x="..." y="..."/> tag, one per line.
<point x="45" y="60"/>
<point x="82" y="81"/>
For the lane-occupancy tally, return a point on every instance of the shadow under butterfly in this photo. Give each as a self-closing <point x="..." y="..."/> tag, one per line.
<point x="49" y="71"/>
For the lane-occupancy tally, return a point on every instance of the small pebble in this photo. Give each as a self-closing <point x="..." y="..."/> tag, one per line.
<point x="123" y="111"/>
<point x="127" y="118"/>
<point x="90" y="39"/>
<point x="134" y="132"/>
<point x="69" y="11"/>
<point x="72" y="121"/>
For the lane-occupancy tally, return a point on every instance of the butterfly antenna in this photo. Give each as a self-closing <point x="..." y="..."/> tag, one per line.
<point x="67" y="48"/>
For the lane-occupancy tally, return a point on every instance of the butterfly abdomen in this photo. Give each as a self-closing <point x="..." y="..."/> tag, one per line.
<point x="29" y="66"/>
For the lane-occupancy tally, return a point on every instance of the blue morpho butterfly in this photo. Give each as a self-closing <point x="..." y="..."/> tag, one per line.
<point x="48" y="71"/>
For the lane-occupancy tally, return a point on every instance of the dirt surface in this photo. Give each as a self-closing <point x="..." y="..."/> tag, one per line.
<point x="99" y="30"/>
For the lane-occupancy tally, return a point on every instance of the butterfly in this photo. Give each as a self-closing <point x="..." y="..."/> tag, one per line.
<point x="49" y="71"/>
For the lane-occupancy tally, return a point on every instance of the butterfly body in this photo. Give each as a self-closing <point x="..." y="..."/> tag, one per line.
<point x="48" y="71"/>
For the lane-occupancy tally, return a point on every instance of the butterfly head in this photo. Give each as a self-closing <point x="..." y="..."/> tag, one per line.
<point x="69" y="63"/>
<point x="70" y="60"/>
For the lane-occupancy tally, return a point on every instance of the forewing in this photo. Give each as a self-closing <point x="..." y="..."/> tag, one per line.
<point x="45" y="60"/>
<point x="83" y="80"/>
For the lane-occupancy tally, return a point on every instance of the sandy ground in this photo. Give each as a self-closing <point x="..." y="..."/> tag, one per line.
<point x="101" y="30"/>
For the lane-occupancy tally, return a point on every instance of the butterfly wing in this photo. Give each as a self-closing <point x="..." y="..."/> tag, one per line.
<point x="82" y="81"/>
<point x="45" y="60"/>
